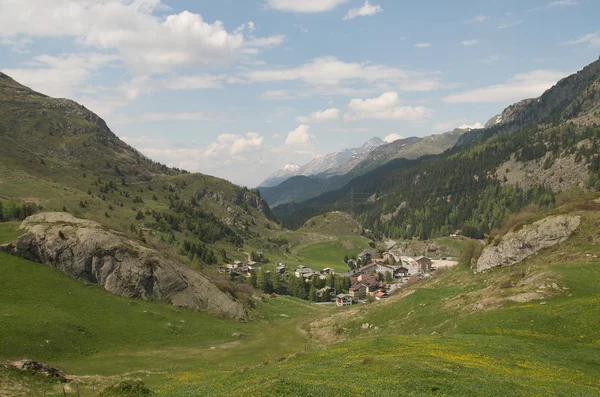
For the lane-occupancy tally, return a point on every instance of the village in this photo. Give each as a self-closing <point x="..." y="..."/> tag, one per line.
<point x="368" y="278"/>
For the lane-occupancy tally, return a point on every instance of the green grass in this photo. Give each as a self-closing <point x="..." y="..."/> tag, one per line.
<point x="49" y="317"/>
<point x="9" y="231"/>
<point x="331" y="254"/>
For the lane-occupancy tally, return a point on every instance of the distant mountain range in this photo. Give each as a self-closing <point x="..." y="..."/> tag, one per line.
<point x="332" y="171"/>
<point x="331" y="164"/>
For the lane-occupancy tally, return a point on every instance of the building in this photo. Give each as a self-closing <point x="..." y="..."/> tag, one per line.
<point x="303" y="272"/>
<point x="372" y="268"/>
<point x="424" y="263"/>
<point x="281" y="268"/>
<point x="321" y="293"/>
<point x="364" y="257"/>
<point x="327" y="271"/>
<point x="409" y="263"/>
<point x="379" y="295"/>
<point x="343" y="300"/>
<point x="358" y="291"/>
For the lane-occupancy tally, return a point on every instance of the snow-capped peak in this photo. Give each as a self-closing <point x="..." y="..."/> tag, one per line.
<point x="291" y="167"/>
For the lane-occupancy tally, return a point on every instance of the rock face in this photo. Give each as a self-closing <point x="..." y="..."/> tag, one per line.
<point x="518" y="245"/>
<point x="87" y="251"/>
<point x="41" y="368"/>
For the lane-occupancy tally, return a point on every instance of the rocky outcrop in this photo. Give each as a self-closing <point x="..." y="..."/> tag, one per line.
<point x="85" y="250"/>
<point x="40" y="368"/>
<point x="521" y="244"/>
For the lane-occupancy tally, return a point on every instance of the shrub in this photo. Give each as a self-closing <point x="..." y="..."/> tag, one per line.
<point x="471" y="252"/>
<point x="127" y="388"/>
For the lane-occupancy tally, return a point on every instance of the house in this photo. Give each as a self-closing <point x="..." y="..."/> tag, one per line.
<point x="352" y="263"/>
<point x="358" y="291"/>
<point x="368" y="278"/>
<point x="322" y="291"/>
<point x="327" y="271"/>
<point x="303" y="271"/>
<point x="383" y="269"/>
<point x="379" y="295"/>
<point x="364" y="257"/>
<point x="281" y="268"/>
<point x="372" y="268"/>
<point x="252" y="266"/>
<point x="424" y="263"/>
<point x="412" y="266"/>
<point x="343" y="300"/>
<point x="401" y="272"/>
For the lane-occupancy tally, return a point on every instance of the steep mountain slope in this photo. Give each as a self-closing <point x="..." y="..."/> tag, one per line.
<point x="302" y="188"/>
<point x="61" y="156"/>
<point x="409" y="148"/>
<point x="331" y="164"/>
<point x="465" y="187"/>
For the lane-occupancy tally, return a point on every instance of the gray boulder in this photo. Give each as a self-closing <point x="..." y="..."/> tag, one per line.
<point x="521" y="244"/>
<point x="85" y="250"/>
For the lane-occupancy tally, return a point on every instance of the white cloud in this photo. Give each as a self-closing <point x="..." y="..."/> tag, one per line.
<point x="328" y="74"/>
<point x="479" y="19"/>
<point x="521" y="86"/>
<point x="509" y="25"/>
<point x="197" y="82"/>
<point x="392" y="137"/>
<point x="60" y="76"/>
<point x="321" y="116"/>
<point x="242" y="158"/>
<point x="475" y="126"/>
<point x="592" y="39"/>
<point x="266" y="42"/>
<point x="422" y="45"/>
<point x="300" y="136"/>
<point x="562" y="3"/>
<point x="277" y="95"/>
<point x="366" y="10"/>
<point x="385" y="107"/>
<point x="469" y="43"/>
<point x="147" y="43"/>
<point x="195" y="116"/>
<point x="305" y="6"/>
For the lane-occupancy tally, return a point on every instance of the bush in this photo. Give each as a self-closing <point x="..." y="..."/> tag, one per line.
<point x="127" y="388"/>
<point x="471" y="252"/>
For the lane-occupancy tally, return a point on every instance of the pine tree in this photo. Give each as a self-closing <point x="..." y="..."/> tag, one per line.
<point x="312" y="295"/>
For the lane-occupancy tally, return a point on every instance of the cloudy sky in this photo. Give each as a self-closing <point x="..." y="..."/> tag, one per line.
<point x="239" y="88"/>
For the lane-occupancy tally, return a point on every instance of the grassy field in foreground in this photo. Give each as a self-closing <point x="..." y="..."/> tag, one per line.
<point x="49" y="317"/>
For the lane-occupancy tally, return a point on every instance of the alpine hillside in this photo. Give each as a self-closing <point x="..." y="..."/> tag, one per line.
<point x="535" y="149"/>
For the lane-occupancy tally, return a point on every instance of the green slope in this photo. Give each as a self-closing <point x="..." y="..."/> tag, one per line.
<point x="60" y="155"/>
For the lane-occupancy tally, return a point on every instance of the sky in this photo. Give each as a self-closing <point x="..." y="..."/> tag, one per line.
<point x="240" y="88"/>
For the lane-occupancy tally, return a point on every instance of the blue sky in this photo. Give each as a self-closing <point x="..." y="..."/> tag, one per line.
<point x="239" y="88"/>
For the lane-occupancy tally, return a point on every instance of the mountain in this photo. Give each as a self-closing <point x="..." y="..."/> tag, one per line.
<point x="331" y="164"/>
<point x="362" y="160"/>
<point x="57" y="155"/>
<point x="341" y="162"/>
<point x="410" y="148"/>
<point x="535" y="150"/>
<point x="288" y="171"/>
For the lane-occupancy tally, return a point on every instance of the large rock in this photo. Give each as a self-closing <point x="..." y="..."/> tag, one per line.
<point x="86" y="250"/>
<point x="518" y="245"/>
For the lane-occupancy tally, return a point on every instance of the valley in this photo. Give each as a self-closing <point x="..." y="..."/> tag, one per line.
<point x="465" y="263"/>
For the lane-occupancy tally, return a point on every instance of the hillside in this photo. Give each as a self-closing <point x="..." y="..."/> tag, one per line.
<point x="478" y="184"/>
<point x="520" y="330"/>
<point x="523" y="330"/>
<point x="62" y="157"/>
<point x="301" y="188"/>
